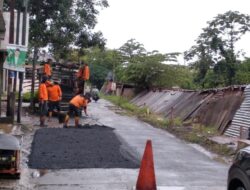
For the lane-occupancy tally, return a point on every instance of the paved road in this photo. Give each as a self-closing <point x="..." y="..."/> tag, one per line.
<point x="178" y="165"/>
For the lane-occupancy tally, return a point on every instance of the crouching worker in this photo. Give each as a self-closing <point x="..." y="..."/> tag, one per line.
<point x="75" y="105"/>
<point x="55" y="96"/>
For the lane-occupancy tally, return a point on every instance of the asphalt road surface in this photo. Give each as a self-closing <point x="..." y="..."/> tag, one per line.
<point x="178" y="165"/>
<point x="86" y="147"/>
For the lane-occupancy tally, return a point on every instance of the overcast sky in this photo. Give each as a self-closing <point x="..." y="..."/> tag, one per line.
<point x="164" y="25"/>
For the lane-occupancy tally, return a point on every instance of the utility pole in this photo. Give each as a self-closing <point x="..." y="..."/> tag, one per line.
<point x="10" y="109"/>
<point x="21" y="74"/>
<point x="17" y="43"/>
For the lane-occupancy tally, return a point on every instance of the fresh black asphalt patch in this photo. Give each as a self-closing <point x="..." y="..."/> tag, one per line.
<point x="87" y="147"/>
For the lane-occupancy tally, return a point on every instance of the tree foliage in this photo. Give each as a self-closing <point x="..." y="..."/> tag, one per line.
<point x="215" y="47"/>
<point x="242" y="75"/>
<point x="101" y="62"/>
<point x="131" y="51"/>
<point x="145" y="69"/>
<point x="134" y="65"/>
<point x="62" y="23"/>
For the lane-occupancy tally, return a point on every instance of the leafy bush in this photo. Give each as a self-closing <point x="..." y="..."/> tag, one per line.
<point x="27" y="95"/>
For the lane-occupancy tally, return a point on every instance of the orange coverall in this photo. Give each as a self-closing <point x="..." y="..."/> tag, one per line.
<point x="54" y="93"/>
<point x="86" y="73"/>
<point x="43" y="93"/>
<point x="83" y="73"/>
<point x="79" y="101"/>
<point x="47" y="69"/>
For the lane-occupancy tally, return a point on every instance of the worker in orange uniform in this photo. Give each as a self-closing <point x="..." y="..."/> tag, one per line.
<point x="75" y="105"/>
<point x="83" y="75"/>
<point x="54" y="96"/>
<point x="43" y="98"/>
<point x="47" y="68"/>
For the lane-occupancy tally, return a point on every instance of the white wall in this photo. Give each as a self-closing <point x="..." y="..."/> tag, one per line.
<point x="5" y="42"/>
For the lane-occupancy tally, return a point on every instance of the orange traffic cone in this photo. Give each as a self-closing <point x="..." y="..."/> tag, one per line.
<point x="146" y="179"/>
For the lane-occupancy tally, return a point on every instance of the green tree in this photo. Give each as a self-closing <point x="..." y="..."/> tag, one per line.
<point x="143" y="74"/>
<point x="175" y="75"/>
<point x="142" y="68"/>
<point x="59" y="23"/>
<point x="242" y="75"/>
<point x="131" y="51"/>
<point x="101" y="62"/>
<point x="202" y="53"/>
<point x="216" y="44"/>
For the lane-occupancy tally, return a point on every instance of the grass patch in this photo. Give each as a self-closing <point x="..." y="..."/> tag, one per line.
<point x="200" y="134"/>
<point x="142" y="113"/>
<point x="193" y="138"/>
<point x="125" y="104"/>
<point x="155" y="120"/>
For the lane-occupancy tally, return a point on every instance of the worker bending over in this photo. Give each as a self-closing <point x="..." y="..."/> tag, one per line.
<point x="75" y="105"/>
<point x="54" y="96"/>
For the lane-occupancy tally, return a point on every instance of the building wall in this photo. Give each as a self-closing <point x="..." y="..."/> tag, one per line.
<point x="5" y="42"/>
<point x="5" y="45"/>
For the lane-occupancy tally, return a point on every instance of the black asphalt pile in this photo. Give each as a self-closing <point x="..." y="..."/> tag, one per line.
<point x="86" y="147"/>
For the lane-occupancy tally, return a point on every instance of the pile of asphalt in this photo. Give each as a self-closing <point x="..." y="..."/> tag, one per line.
<point x="86" y="147"/>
